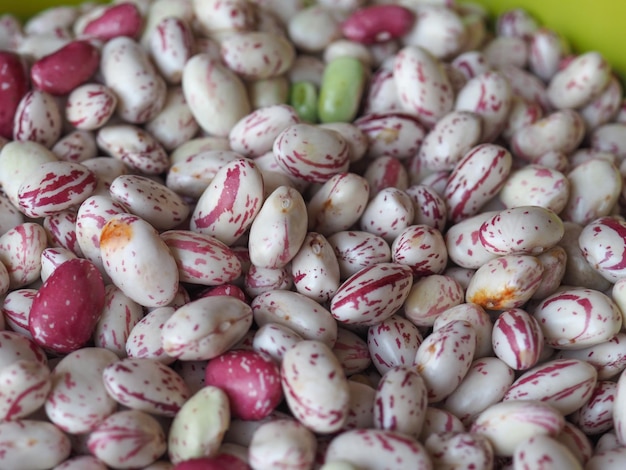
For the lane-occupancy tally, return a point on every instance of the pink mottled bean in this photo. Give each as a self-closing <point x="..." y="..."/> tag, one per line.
<point x="476" y="316"/>
<point x="393" y="343"/>
<point x="123" y="19"/>
<point x="52" y="258"/>
<point x="351" y="351"/>
<point x="77" y="146"/>
<point x="282" y="442"/>
<point x="274" y="340"/>
<point x="602" y="244"/>
<point x="61" y="230"/>
<point x="174" y="124"/>
<point x="26" y="385"/>
<point x="609" y="357"/>
<point x="144" y="339"/>
<point x="259" y="280"/>
<point x="49" y="445"/>
<point x="171" y="45"/>
<point x="134" y="146"/>
<point x="459" y="449"/>
<point x="20" y="252"/>
<point x="37" y="119"/>
<point x="356" y="250"/>
<point x="429" y="208"/>
<point x="386" y="172"/>
<point x="523" y="113"/>
<point x="16" y="309"/>
<point x="398" y="135"/>
<point x="596" y="415"/>
<point x="422" y="248"/>
<point x="315" y="269"/>
<point x="387" y="214"/>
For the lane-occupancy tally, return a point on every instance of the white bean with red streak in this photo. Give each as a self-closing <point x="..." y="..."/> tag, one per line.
<point x="469" y="398"/>
<point x="274" y="340"/>
<point x="106" y="170"/>
<point x="311" y="153"/>
<point x="521" y="230"/>
<point x="84" y="462"/>
<point x="393" y="343"/>
<point x="356" y="250"/>
<point x="17" y="160"/>
<point x="171" y="45"/>
<point x="429" y="207"/>
<point x="560" y="131"/>
<point x="380" y="449"/>
<point x="20" y="252"/>
<point x="216" y="95"/>
<point x="580" y="81"/>
<point x="361" y="407"/>
<point x="129" y="247"/>
<point x="596" y="415"/>
<point x="206" y="328"/>
<point x="490" y="96"/>
<point x="133" y="145"/>
<point x="565" y="384"/>
<point x="257" y="280"/>
<point x="16" y="310"/>
<point x="315" y="387"/>
<point x="358" y="142"/>
<point x="397" y="135"/>
<point x="505" y="282"/>
<point x="476" y="316"/>
<point x="444" y="358"/>
<point x="25" y="386"/>
<point x="53" y="187"/>
<point x="400" y="401"/>
<point x="604" y="107"/>
<point x="451" y="138"/>
<point x="603" y="246"/>
<point x="150" y="200"/>
<point x="608" y="357"/>
<point x="476" y="178"/>
<point x="576" y="441"/>
<point x="422" y="248"/>
<point x="507" y="424"/>
<point x="535" y="451"/>
<point x="38" y="119"/>
<point x="282" y="443"/>
<point x="254" y="134"/>
<point x="32" y="445"/>
<point x="526" y="85"/>
<point x="382" y="94"/>
<point x="523" y="113"/>
<point x="463" y="242"/>
<point x="372" y="295"/>
<point x="279" y="229"/>
<point x="450" y="450"/>
<point x="234" y="199"/>
<point x="145" y="384"/>
<point x="610" y="138"/>
<point x="423" y="86"/>
<point x="546" y="51"/>
<point x="118" y="317"/>
<point x="127" y="438"/>
<point x="577" y="318"/>
<point x="315" y="269"/>
<point x="517" y="339"/>
<point x="338" y="203"/>
<point x="61" y="230"/>
<point x="430" y="296"/>
<point x="128" y="72"/>
<point x="351" y="351"/>
<point x="90" y="106"/>
<point x="144" y="339"/>
<point x="202" y="259"/>
<point x="9" y="215"/>
<point x="174" y="124"/>
<point x="388" y="213"/>
<point x="257" y="55"/>
<point x="384" y="172"/>
<point x="76" y="146"/>
<point x="303" y="315"/>
<point x="536" y="185"/>
<point x="78" y="401"/>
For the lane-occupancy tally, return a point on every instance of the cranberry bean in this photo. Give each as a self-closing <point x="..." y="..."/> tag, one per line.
<point x="134" y="146"/>
<point x="16" y="309"/>
<point x="38" y="443"/>
<point x="397" y="135"/>
<point x="378" y="23"/>
<point x="596" y="415"/>
<point x="430" y="296"/>
<point x="282" y="443"/>
<point x="536" y="449"/>
<point x="609" y="358"/>
<point x="426" y="31"/>
<point x="517" y="339"/>
<point x="450" y="449"/>
<point x="14" y="85"/>
<point x="171" y="45"/>
<point x="90" y="106"/>
<point x="547" y="49"/>
<point x="119" y="316"/>
<point x="174" y="124"/>
<point x="26" y="385"/>
<point x="475" y="316"/>
<point x="388" y="213"/>
<point x="422" y="248"/>
<point x="393" y="343"/>
<point x="536" y="185"/>
<point x="38" y="119"/>
<point x="20" y="252"/>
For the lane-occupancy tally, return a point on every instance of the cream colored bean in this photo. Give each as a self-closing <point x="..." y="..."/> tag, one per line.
<point x="174" y="124"/>
<point x="32" y="445"/>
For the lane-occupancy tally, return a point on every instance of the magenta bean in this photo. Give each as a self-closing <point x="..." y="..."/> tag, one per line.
<point x="250" y="379"/>
<point x="378" y="23"/>
<point x="14" y="85"/>
<point x="123" y="19"/>
<point x="62" y="71"/>
<point x="67" y="307"/>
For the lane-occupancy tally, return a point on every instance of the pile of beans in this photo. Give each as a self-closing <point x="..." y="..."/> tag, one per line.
<point x="340" y="235"/>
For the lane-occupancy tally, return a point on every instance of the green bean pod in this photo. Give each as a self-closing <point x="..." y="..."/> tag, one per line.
<point x="342" y="87"/>
<point x="303" y="98"/>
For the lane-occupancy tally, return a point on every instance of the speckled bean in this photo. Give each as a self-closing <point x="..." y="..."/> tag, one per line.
<point x="430" y="296"/>
<point x="174" y="124"/>
<point x="90" y="106"/>
<point x="118" y="317"/>
<point x="20" y="252"/>
<point x="609" y="357"/>
<point x="32" y="445"/>
<point x="398" y="135"/>
<point x="448" y="450"/>
<point x="422" y="248"/>
<point x="171" y="45"/>
<point x="517" y="339"/>
<point x="476" y="316"/>
<point x="388" y="213"/>
<point x="38" y="119"/>
<point x="282" y="442"/>
<point x="536" y="185"/>
<point x="134" y="146"/>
